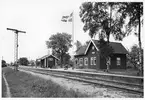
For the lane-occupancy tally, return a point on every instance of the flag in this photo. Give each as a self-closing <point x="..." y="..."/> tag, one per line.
<point x="67" y="18"/>
<point x="70" y="17"/>
<point x="64" y="18"/>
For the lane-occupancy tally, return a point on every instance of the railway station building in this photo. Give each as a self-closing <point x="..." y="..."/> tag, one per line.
<point x="48" y="61"/>
<point x="89" y="57"/>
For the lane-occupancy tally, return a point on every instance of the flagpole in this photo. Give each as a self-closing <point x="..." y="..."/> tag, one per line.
<point x="70" y="18"/>
<point x="73" y="38"/>
<point x="73" y="30"/>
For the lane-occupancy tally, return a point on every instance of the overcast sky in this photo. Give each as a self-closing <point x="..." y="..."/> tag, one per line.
<point x="40" y="19"/>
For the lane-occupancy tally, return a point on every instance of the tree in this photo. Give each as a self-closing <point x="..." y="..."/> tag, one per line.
<point x="32" y="62"/>
<point x="23" y="61"/>
<point x="66" y="58"/>
<point x="98" y="16"/>
<point x="37" y="62"/>
<point x="86" y="43"/>
<point x="4" y="63"/>
<point x="105" y="50"/>
<point x="133" y="10"/>
<point x="133" y="56"/>
<point x="60" y="44"/>
<point x="98" y="19"/>
<point x="78" y="45"/>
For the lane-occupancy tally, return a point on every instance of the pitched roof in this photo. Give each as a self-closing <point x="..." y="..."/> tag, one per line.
<point x="48" y="56"/>
<point x="81" y="50"/>
<point x="118" y="48"/>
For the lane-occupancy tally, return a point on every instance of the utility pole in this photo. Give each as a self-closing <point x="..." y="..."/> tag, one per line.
<point x="16" y="47"/>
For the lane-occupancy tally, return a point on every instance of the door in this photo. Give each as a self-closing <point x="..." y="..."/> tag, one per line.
<point x="50" y="62"/>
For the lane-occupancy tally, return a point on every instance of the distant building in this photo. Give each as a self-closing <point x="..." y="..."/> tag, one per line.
<point x="48" y="61"/>
<point x="89" y="57"/>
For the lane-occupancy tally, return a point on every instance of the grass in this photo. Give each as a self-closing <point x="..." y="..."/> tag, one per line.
<point x="25" y="85"/>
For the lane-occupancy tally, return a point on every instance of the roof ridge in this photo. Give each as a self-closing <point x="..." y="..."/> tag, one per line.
<point x="109" y="41"/>
<point x="118" y="47"/>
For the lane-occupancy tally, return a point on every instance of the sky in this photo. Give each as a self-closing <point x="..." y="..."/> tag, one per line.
<point x="40" y="19"/>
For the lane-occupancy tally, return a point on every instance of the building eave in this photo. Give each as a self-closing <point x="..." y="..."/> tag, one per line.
<point x="48" y="56"/>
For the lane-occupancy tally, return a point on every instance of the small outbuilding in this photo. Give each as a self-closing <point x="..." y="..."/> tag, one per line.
<point x="48" y="61"/>
<point x="89" y="57"/>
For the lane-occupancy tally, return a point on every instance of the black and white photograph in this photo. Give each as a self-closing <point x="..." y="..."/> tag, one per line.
<point x="71" y="49"/>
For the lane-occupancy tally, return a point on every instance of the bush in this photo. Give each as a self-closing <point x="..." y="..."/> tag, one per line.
<point x="4" y="63"/>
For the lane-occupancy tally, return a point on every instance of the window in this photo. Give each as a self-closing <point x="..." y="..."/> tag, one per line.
<point x="94" y="60"/>
<point x="85" y="61"/>
<point x="50" y="59"/>
<point x="118" y="61"/>
<point x="93" y="52"/>
<point x="81" y="62"/>
<point x="76" y="61"/>
<point x="91" y="60"/>
<point x="109" y="60"/>
<point x="92" y="47"/>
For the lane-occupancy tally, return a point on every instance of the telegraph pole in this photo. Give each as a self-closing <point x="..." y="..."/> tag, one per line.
<point x="16" y="47"/>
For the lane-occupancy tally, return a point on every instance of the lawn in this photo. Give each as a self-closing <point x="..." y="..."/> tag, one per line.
<point x="25" y="85"/>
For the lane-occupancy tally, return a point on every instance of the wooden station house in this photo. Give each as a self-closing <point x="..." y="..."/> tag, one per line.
<point x="89" y="57"/>
<point x="48" y="61"/>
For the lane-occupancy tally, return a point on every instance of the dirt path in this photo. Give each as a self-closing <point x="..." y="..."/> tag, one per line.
<point x="8" y="93"/>
<point x="86" y="88"/>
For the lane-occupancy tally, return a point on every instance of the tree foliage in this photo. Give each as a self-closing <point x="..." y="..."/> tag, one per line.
<point x="4" y="63"/>
<point x="37" y="62"/>
<point x="78" y="45"/>
<point x="32" y="62"/>
<point x="99" y="16"/>
<point x="86" y="43"/>
<point x="111" y="18"/>
<point x="60" y="44"/>
<point x="135" y="12"/>
<point x="23" y="61"/>
<point x="133" y="56"/>
<point x="66" y="58"/>
<point x="105" y="49"/>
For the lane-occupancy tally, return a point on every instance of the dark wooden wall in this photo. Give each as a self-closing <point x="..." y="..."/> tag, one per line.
<point x="101" y="62"/>
<point x="114" y="61"/>
<point x="90" y="53"/>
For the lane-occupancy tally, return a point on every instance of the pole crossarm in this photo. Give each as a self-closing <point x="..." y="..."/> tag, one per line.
<point x="16" y="31"/>
<point x="16" y="46"/>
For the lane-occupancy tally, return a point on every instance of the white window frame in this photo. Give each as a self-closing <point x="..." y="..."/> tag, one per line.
<point x="86" y="61"/>
<point x="94" y="60"/>
<point x="80" y="61"/>
<point x="91" y="61"/>
<point x="118" y="61"/>
<point x="110" y="60"/>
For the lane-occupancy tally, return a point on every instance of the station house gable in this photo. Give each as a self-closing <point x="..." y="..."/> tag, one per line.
<point x="48" y="61"/>
<point x="89" y="57"/>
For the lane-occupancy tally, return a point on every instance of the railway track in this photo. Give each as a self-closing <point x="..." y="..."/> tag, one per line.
<point x="138" y="88"/>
